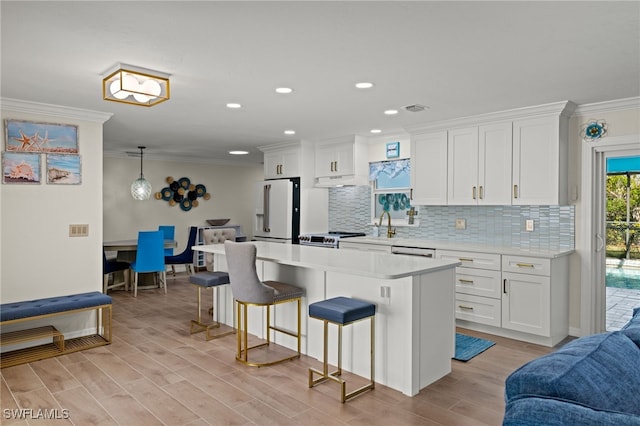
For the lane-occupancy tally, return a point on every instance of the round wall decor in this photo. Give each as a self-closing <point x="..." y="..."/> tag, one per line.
<point x="183" y="193"/>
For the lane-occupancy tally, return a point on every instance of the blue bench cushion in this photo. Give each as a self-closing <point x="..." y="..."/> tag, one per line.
<point x="209" y="278"/>
<point x="52" y="305"/>
<point x="601" y="371"/>
<point x="342" y="310"/>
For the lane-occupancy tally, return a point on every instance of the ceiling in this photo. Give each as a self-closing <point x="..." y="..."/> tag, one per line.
<point x="457" y="58"/>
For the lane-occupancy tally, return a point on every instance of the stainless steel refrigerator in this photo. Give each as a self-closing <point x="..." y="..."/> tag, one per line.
<point x="277" y="215"/>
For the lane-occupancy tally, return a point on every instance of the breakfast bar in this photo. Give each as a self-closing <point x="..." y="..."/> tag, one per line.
<point x="415" y="324"/>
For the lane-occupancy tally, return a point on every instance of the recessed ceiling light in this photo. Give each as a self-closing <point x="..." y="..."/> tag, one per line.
<point x="364" y="85"/>
<point x="391" y="112"/>
<point x="289" y="132"/>
<point x="284" y="90"/>
<point x="238" y="152"/>
<point x="233" y="105"/>
<point x="376" y="131"/>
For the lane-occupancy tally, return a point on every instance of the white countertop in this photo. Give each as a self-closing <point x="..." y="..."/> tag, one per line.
<point x="451" y="245"/>
<point x="369" y="264"/>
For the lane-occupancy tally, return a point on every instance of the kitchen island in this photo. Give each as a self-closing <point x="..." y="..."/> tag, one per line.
<point x="415" y="324"/>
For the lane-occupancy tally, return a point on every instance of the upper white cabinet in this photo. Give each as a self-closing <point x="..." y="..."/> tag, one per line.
<point x="341" y="161"/>
<point x="282" y="162"/>
<point x="479" y="165"/>
<point x="514" y="157"/>
<point x="540" y="161"/>
<point x="429" y="168"/>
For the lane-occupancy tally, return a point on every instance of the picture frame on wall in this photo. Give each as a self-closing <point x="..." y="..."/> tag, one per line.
<point x="63" y="169"/>
<point x="21" y="168"/>
<point x="29" y="136"/>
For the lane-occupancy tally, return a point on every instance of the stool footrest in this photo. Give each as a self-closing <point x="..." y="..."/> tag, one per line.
<point x="343" y="384"/>
<point x="199" y="327"/>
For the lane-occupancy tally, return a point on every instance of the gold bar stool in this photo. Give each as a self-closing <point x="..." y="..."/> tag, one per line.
<point x="212" y="280"/>
<point x="342" y="311"/>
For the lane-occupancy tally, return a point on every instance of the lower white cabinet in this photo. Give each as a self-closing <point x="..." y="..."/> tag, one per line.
<point x="520" y="297"/>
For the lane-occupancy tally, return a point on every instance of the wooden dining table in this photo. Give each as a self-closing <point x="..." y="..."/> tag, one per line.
<point x="127" y="252"/>
<point x="127" y="248"/>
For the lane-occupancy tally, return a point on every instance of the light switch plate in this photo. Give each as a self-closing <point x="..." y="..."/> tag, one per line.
<point x="461" y="224"/>
<point x="528" y="225"/>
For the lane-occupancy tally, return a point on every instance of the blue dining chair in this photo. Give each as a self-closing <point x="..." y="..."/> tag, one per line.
<point x="186" y="257"/>
<point x="169" y="234"/>
<point x="149" y="258"/>
<point x="108" y="268"/>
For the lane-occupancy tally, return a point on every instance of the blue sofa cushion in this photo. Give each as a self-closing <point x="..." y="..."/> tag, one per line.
<point x="539" y="411"/>
<point x="51" y="305"/>
<point x="601" y="371"/>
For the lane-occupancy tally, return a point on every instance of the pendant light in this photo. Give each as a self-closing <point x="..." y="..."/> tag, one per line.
<point x="141" y="188"/>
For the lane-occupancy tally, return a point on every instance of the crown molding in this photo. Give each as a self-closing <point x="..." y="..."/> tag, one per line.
<point x="565" y="108"/>
<point x="607" y="106"/>
<point x="17" y="105"/>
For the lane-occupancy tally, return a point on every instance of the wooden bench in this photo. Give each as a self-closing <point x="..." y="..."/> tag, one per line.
<point x="32" y="310"/>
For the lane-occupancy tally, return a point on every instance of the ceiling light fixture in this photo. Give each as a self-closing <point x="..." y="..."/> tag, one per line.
<point x="376" y="131"/>
<point x="364" y="85"/>
<point x="233" y="105"/>
<point x="289" y="132"/>
<point x="141" y="188"/>
<point x="391" y="112"/>
<point x="136" y="86"/>
<point x="238" y="152"/>
<point x="284" y="90"/>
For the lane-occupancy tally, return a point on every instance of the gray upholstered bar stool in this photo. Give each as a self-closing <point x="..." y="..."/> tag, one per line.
<point x="248" y="290"/>
<point x="210" y="279"/>
<point x="342" y="311"/>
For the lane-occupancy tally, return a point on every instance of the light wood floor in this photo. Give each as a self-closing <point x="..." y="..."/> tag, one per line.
<point x="155" y="373"/>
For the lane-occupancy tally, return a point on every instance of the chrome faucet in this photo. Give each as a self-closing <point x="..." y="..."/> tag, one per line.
<point x="390" y="231"/>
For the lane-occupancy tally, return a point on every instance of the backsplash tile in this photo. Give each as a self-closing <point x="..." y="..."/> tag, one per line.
<point x="350" y="210"/>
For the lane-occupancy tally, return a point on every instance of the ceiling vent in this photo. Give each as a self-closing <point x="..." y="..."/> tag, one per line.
<point x="415" y="108"/>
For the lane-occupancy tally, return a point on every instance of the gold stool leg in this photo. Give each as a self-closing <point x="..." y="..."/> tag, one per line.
<point x="335" y="376"/>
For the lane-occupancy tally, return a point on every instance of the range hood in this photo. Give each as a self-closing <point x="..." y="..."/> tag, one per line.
<point x="346" y="180"/>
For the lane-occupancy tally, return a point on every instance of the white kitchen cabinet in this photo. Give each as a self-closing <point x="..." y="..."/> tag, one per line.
<point x="282" y="163"/>
<point x="540" y="161"/>
<point x="429" y="169"/>
<point x="479" y="165"/>
<point x="535" y="296"/>
<point x="341" y="161"/>
<point x="478" y="290"/>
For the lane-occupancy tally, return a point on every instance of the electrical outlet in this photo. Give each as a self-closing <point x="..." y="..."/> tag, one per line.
<point x="79" y="230"/>
<point x="461" y="224"/>
<point x="528" y="225"/>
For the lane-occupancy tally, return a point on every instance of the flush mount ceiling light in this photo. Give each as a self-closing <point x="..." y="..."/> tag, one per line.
<point x="284" y="90"/>
<point x="375" y="131"/>
<point x="233" y="105"/>
<point x="238" y="152"/>
<point x="391" y="112"/>
<point x="136" y="86"/>
<point x="141" y="188"/>
<point x="289" y="132"/>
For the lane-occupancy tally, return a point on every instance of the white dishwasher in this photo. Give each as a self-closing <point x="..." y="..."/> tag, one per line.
<point x="414" y="251"/>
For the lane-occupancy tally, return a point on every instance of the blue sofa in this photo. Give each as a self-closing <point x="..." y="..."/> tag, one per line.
<point x="593" y="380"/>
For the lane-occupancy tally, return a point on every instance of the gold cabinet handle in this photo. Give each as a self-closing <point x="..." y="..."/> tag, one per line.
<point x="336" y="163"/>
<point x="411" y="194"/>
<point x="466" y="308"/>
<point x="473" y="192"/>
<point x="481" y="193"/>
<point x="515" y="191"/>
<point x="525" y="265"/>
<point x="465" y="259"/>
<point x="504" y="286"/>
<point x="465" y="281"/>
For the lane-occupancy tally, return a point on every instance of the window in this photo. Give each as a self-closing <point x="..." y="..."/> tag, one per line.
<point x="391" y="182"/>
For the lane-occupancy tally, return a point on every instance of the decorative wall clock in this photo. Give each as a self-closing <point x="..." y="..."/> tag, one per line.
<point x="594" y="129"/>
<point x="183" y="193"/>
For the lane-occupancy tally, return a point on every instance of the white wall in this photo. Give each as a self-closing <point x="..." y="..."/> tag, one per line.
<point x="38" y="258"/>
<point x="231" y="189"/>
<point x="621" y="121"/>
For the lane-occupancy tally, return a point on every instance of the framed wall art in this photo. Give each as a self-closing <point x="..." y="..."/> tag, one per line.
<point x="20" y="168"/>
<point x="63" y="169"/>
<point x="28" y="136"/>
